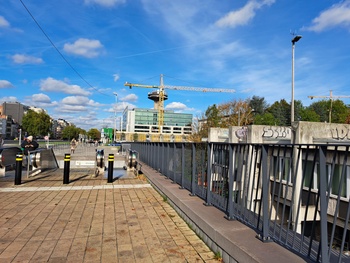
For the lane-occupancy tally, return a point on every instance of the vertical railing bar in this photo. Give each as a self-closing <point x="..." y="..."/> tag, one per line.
<point x="229" y="209"/>
<point x="209" y="164"/>
<point x="255" y="171"/>
<point x="182" y="166"/>
<point x="289" y="181"/>
<point x="278" y="171"/>
<point x="323" y="201"/>
<point x="265" y="195"/>
<point x="242" y="181"/>
<point x="194" y="166"/>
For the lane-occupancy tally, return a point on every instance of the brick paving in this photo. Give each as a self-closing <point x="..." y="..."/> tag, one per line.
<point x="90" y="220"/>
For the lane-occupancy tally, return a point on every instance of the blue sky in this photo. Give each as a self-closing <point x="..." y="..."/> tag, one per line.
<point x="70" y="56"/>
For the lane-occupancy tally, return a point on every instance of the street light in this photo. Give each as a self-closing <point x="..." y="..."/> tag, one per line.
<point x="115" y="116"/>
<point x="294" y="40"/>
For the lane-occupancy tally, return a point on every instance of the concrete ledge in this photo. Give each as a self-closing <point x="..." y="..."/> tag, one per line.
<point x="233" y="240"/>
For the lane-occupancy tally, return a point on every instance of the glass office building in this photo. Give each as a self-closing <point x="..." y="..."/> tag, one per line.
<point x="146" y="121"/>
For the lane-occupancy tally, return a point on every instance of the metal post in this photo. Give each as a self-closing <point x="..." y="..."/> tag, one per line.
<point x="294" y="40"/>
<point x="66" y="168"/>
<point x="209" y="183"/>
<point x="265" y="195"/>
<point x="194" y="165"/>
<point x="182" y="166"/>
<point x="18" y="174"/>
<point x="110" y="168"/>
<point x="323" y="204"/>
<point x="292" y="100"/>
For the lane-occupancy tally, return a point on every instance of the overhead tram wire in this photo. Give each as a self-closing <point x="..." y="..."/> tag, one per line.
<point x="59" y="52"/>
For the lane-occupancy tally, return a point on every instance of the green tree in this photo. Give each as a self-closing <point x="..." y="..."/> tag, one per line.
<point x="339" y="112"/>
<point x="258" y="104"/>
<point x="266" y="118"/>
<point x="281" y="112"/>
<point x="36" y="124"/>
<point x="308" y="114"/>
<point x="94" y="134"/>
<point x="321" y="109"/>
<point x="70" y="132"/>
<point x="212" y="116"/>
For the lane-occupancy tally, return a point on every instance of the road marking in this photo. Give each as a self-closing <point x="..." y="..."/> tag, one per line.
<point x="74" y="188"/>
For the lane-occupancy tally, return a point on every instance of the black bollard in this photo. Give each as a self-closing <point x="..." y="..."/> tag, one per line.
<point x="110" y="168"/>
<point x="66" y="168"/>
<point x="18" y="174"/>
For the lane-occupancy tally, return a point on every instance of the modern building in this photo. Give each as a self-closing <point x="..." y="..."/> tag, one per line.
<point x="15" y="110"/>
<point x="139" y="120"/>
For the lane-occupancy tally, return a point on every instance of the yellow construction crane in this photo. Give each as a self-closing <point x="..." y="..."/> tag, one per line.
<point x="159" y="96"/>
<point x="331" y="97"/>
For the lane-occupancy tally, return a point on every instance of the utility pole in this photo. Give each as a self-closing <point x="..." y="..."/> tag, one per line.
<point x="331" y="97"/>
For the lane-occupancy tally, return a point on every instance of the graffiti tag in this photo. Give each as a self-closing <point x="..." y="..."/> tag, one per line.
<point x="276" y="132"/>
<point x="340" y="134"/>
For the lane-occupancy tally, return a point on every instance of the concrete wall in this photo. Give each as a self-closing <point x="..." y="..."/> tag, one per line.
<point x="304" y="133"/>
<point x="319" y="132"/>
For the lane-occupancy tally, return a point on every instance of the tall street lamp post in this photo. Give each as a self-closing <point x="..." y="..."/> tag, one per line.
<point x="115" y="116"/>
<point x="294" y="40"/>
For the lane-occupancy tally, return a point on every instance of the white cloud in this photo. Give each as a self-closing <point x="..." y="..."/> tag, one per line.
<point x="106" y="3"/>
<point x="41" y="97"/>
<point x="337" y="15"/>
<point x="51" y="84"/>
<point x="176" y="106"/>
<point x="116" y="77"/>
<point x="79" y="100"/>
<point x="24" y="59"/>
<point x="89" y="48"/>
<point x="7" y="99"/>
<point x="242" y="16"/>
<point x="71" y="108"/>
<point x="4" y="22"/>
<point x="130" y="97"/>
<point x="5" y="84"/>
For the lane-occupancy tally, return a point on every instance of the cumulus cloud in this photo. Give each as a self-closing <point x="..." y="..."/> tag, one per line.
<point x="41" y="97"/>
<point x="244" y="15"/>
<point x="337" y="15"/>
<point x="130" y="97"/>
<point x="79" y="100"/>
<point x="89" y="48"/>
<point x="24" y="59"/>
<point x="51" y="84"/>
<point x="5" y="84"/>
<point x="105" y="3"/>
<point x="4" y="22"/>
<point x="176" y="106"/>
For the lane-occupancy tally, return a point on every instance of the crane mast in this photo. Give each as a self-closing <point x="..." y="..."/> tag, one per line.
<point x="160" y="96"/>
<point x="331" y="97"/>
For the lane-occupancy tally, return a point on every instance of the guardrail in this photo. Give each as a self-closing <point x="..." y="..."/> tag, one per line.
<point x="8" y="158"/>
<point x="294" y="195"/>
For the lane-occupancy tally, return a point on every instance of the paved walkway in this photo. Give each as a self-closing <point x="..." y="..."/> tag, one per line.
<point x="89" y="220"/>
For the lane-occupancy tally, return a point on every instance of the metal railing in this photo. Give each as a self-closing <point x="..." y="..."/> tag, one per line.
<point x="8" y="158"/>
<point x="294" y="195"/>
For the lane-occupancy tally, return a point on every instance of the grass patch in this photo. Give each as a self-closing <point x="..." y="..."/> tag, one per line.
<point x="217" y="255"/>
